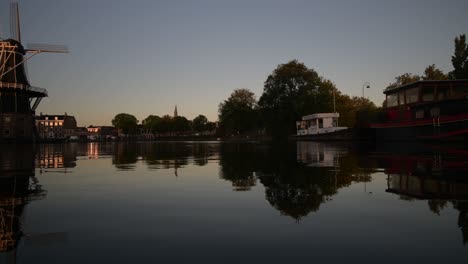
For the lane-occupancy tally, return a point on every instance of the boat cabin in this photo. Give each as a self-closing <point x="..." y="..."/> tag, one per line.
<point x="319" y="123"/>
<point x="426" y="99"/>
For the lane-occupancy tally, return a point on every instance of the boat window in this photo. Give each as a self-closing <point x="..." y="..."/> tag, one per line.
<point x="320" y="123"/>
<point x="427" y="93"/>
<point x="392" y="100"/>
<point x="460" y="89"/>
<point x="412" y="95"/>
<point x="401" y="98"/>
<point x="442" y="92"/>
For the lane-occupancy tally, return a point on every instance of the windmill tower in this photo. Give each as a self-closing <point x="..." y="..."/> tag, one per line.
<point x="18" y="99"/>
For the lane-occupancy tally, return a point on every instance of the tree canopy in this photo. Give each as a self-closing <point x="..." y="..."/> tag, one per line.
<point x="152" y="123"/>
<point x="460" y="58"/>
<point x="237" y="114"/>
<point x="291" y="91"/>
<point x="199" y="123"/>
<point x="433" y="73"/>
<point x="125" y="122"/>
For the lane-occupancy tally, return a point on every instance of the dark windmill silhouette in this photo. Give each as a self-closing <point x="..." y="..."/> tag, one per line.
<point x="18" y="99"/>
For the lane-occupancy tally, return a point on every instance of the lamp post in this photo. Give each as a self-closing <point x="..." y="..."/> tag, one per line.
<point x="334" y="108"/>
<point x="366" y="85"/>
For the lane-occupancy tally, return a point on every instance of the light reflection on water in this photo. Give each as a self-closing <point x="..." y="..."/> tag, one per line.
<point x="232" y="202"/>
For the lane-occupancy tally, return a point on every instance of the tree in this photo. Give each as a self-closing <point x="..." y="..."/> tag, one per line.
<point x="460" y="59"/>
<point x="291" y="91"/>
<point x="404" y="79"/>
<point x="433" y="73"/>
<point x="180" y="124"/>
<point x="152" y="123"/>
<point x="125" y="122"/>
<point x="237" y="114"/>
<point x="199" y="123"/>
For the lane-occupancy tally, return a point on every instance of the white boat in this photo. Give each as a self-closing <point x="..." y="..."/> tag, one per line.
<point x="319" y="123"/>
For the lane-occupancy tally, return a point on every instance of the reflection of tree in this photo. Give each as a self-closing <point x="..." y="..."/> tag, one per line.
<point x="462" y="207"/>
<point x="293" y="188"/>
<point x="125" y="156"/>
<point x="237" y="162"/>
<point x="436" y="206"/>
<point x="296" y="189"/>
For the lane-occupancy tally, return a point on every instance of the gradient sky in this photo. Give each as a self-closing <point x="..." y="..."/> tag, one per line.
<point x="144" y="57"/>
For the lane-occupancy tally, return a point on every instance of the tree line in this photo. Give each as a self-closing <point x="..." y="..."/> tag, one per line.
<point x="165" y="125"/>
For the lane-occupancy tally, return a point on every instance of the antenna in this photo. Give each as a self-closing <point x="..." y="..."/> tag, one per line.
<point x="15" y="30"/>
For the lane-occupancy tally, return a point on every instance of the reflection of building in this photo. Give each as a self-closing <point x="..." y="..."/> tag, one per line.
<point x="317" y="154"/>
<point x="54" y="126"/>
<point x="18" y="186"/>
<point x="56" y="156"/>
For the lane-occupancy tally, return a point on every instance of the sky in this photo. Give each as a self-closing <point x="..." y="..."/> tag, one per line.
<point x="145" y="56"/>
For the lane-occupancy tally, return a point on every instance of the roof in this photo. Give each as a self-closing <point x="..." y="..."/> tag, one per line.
<point x="52" y="117"/>
<point x="320" y="115"/>
<point x="419" y="83"/>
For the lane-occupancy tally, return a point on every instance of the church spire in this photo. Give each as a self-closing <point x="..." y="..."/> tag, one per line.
<point x="175" y="111"/>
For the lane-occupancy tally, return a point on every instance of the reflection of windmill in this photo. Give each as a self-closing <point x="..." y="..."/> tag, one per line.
<point x="18" y="99"/>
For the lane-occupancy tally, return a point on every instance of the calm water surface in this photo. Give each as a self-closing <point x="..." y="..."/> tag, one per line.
<point x="211" y="202"/>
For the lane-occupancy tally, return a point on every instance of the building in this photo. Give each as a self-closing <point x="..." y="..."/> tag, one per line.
<point x="54" y="127"/>
<point x="102" y="132"/>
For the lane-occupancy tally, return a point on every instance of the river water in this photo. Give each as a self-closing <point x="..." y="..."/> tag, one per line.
<point x="212" y="202"/>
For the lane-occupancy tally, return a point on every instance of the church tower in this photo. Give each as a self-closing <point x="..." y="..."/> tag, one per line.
<point x="175" y="111"/>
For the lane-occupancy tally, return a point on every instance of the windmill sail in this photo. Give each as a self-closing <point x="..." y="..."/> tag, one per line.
<point x="34" y="48"/>
<point x="15" y="32"/>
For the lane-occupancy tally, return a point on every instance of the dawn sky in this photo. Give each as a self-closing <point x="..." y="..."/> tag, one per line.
<point x="144" y="57"/>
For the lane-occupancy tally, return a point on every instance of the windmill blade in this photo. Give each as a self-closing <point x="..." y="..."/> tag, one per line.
<point x="15" y="31"/>
<point x="36" y="48"/>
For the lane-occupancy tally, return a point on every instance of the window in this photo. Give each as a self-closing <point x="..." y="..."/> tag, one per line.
<point x="427" y="93"/>
<point x="401" y="98"/>
<point x="442" y="92"/>
<point x="412" y="95"/>
<point x="320" y="123"/>
<point x="460" y="89"/>
<point x="392" y="100"/>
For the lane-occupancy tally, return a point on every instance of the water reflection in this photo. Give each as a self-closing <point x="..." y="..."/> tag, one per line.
<point x="18" y="187"/>
<point x="296" y="181"/>
<point x="432" y="173"/>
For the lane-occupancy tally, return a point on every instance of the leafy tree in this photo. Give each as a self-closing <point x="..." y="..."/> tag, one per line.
<point x="152" y="123"/>
<point x="237" y="114"/>
<point x="404" y="79"/>
<point x="460" y="59"/>
<point x="180" y="124"/>
<point x="125" y="122"/>
<point x="291" y="91"/>
<point x="165" y="125"/>
<point x="199" y="123"/>
<point x="433" y="73"/>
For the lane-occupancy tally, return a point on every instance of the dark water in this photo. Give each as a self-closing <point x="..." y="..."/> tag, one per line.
<point x="233" y="203"/>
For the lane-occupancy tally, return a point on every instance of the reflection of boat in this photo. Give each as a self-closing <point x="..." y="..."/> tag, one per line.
<point x="317" y="154"/>
<point x="320" y="124"/>
<point x="425" y="110"/>
<point x="426" y="174"/>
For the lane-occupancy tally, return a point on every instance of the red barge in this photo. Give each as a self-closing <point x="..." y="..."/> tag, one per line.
<point x="425" y="110"/>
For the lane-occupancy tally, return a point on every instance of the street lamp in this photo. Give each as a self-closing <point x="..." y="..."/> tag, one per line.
<point x="366" y="85"/>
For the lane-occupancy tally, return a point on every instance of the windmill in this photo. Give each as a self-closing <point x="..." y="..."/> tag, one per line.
<point x="18" y="99"/>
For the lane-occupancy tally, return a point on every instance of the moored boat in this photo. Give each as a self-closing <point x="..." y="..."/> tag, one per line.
<point x="425" y="110"/>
